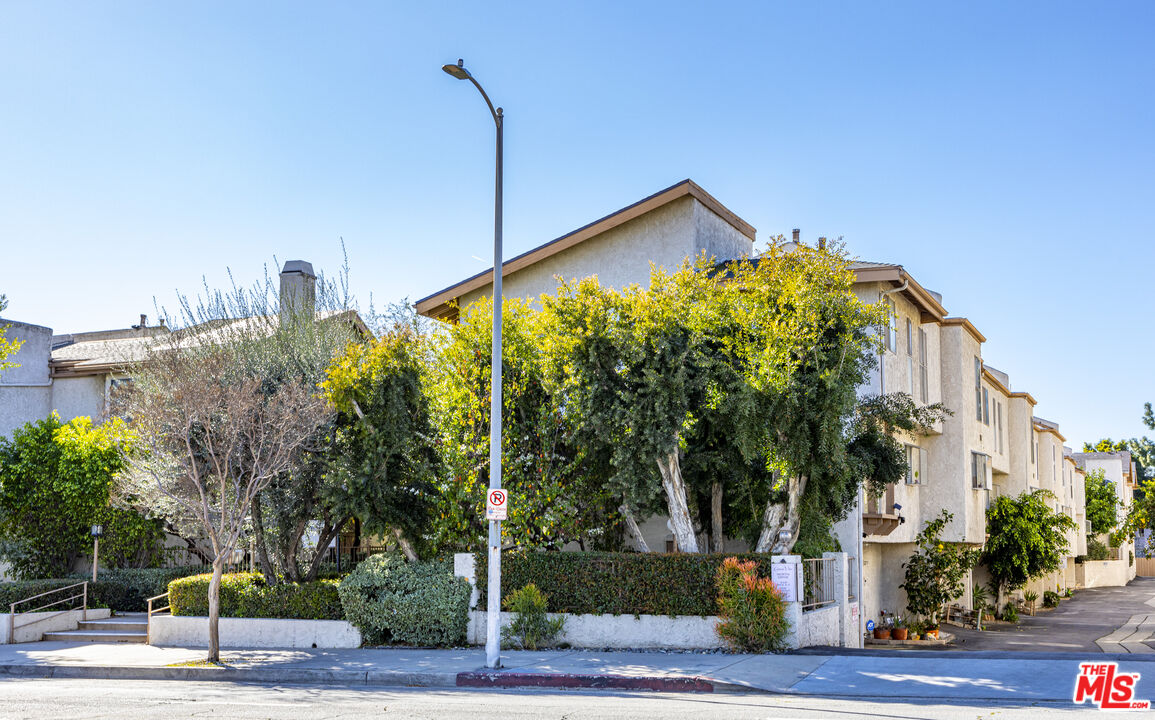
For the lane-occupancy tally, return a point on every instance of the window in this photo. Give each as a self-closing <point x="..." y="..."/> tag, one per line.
<point x="986" y="407"/>
<point x="916" y="465"/>
<point x="999" y="427"/>
<point x="909" y="360"/>
<point x="978" y="389"/>
<point x="922" y="386"/>
<point x="979" y="464"/>
<point x="890" y="332"/>
<point x="1034" y="450"/>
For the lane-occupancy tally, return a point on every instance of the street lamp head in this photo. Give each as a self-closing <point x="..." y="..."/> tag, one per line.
<point x="458" y="71"/>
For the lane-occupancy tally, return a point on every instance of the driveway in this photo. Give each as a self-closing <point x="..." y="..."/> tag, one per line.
<point x="1112" y="619"/>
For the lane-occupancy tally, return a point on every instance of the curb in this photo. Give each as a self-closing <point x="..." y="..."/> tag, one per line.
<point x="300" y="676"/>
<point x="569" y="680"/>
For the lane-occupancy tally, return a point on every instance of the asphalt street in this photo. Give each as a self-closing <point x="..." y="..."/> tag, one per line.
<point x="53" y="699"/>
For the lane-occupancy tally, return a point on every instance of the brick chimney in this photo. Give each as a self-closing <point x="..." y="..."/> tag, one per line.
<point x="298" y="289"/>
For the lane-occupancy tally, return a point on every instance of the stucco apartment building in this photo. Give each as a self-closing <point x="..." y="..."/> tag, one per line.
<point x="993" y="444"/>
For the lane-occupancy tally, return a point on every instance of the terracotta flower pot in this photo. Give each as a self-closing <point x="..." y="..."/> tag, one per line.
<point x="898" y="634"/>
<point x="881" y="633"/>
<point x="931" y="634"/>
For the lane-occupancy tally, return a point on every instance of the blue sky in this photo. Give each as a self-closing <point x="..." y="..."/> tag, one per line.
<point x="1002" y="152"/>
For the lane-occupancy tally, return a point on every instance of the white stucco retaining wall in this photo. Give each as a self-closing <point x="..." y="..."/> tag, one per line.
<point x="620" y="631"/>
<point x="30" y="627"/>
<point x="193" y="631"/>
<point x="818" y="627"/>
<point x="1105" y="573"/>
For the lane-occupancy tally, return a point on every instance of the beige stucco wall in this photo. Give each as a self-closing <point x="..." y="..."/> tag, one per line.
<point x="622" y="256"/>
<point x="26" y="391"/>
<point x="80" y="396"/>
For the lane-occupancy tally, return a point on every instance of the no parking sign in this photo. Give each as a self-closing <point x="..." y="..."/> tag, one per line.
<point x="496" y="505"/>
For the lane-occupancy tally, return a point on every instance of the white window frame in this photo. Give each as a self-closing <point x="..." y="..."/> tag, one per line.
<point x="924" y="391"/>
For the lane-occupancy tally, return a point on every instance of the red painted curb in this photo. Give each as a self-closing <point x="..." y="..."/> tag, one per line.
<point x="567" y="680"/>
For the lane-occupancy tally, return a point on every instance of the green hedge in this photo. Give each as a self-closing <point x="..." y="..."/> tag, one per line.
<point x="391" y="600"/>
<point x="124" y="590"/>
<point x="245" y="595"/>
<point x="617" y="583"/>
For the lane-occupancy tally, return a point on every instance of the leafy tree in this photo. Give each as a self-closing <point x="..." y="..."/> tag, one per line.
<point x="55" y="482"/>
<point x="7" y="347"/>
<point x="937" y="572"/>
<point x="1101" y="502"/>
<point x="557" y="486"/>
<point x="752" y="368"/>
<point x="385" y="462"/>
<point x="214" y="434"/>
<point x="1026" y="539"/>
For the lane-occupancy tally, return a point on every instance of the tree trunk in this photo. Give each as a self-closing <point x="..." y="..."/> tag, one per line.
<point x="262" y="551"/>
<point x="328" y="532"/>
<point x="675" y="487"/>
<point x="632" y="529"/>
<point x="717" y="538"/>
<point x="215" y="609"/>
<point x="780" y="517"/>
<point x="406" y="546"/>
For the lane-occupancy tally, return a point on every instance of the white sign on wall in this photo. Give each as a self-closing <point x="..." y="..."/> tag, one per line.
<point x="785" y="578"/>
<point x="496" y="505"/>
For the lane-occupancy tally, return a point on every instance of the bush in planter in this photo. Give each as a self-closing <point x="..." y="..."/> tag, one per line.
<point x="391" y="600"/>
<point x="751" y="610"/>
<point x="123" y="590"/>
<point x="531" y="625"/>
<point x="245" y="595"/>
<point x="1097" y="549"/>
<point x="1050" y="599"/>
<point x="1010" y="612"/>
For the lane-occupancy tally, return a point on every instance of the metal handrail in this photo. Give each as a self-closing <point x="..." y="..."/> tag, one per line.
<point x="152" y="611"/>
<point x="83" y="610"/>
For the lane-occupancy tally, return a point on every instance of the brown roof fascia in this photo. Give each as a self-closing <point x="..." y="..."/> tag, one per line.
<point x="966" y="325"/>
<point x="437" y="304"/>
<point x="995" y="381"/>
<point x="931" y="310"/>
<point x="1026" y="395"/>
<point x="1049" y="429"/>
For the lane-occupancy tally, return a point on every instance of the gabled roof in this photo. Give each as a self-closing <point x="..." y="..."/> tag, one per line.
<point x="437" y="304"/>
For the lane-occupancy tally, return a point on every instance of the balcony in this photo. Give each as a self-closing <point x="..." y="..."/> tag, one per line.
<point x="880" y="517"/>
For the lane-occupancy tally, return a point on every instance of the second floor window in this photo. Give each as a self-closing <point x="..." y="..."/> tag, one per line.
<point x="916" y="462"/>
<point x="979" y="465"/>
<point x="986" y="407"/>
<point x="909" y="360"/>
<point x="922" y="385"/>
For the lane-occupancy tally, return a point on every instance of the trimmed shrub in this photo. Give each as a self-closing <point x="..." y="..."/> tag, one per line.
<point x="752" y="611"/>
<point x="600" y="583"/>
<point x="1050" y="598"/>
<point x="530" y="626"/>
<point x="245" y="595"/>
<point x="1010" y="612"/>
<point x="391" y="600"/>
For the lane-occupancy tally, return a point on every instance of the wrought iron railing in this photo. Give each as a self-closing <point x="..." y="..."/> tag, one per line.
<point x="818" y="583"/>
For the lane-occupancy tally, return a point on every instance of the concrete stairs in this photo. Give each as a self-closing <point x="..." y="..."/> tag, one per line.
<point x="124" y="628"/>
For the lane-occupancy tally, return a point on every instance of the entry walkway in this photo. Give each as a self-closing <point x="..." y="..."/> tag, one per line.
<point x="1096" y="620"/>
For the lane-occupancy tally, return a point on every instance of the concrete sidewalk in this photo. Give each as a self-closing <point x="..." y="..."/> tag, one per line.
<point x="942" y="676"/>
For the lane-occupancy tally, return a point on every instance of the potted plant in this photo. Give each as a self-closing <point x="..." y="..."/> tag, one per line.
<point x="930" y="632"/>
<point x="1031" y="597"/>
<point x="915" y="628"/>
<point x="899" y="632"/>
<point x="882" y="629"/>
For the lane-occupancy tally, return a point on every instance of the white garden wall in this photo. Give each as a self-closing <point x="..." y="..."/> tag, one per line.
<point x="193" y="631"/>
<point x="30" y="627"/>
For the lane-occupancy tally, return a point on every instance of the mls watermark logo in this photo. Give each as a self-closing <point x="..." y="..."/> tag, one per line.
<point x="1102" y="685"/>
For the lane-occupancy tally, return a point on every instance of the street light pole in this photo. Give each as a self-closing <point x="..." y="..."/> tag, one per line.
<point x="493" y="594"/>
